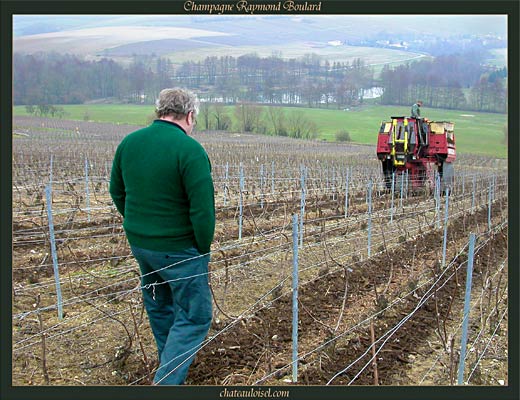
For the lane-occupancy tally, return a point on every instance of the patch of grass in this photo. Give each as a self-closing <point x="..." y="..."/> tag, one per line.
<point x="116" y="113"/>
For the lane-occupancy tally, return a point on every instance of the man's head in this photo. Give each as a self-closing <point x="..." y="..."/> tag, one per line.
<point x="178" y="105"/>
<point x="419" y="103"/>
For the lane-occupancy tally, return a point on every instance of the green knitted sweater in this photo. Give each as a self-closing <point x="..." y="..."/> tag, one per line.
<point x="161" y="184"/>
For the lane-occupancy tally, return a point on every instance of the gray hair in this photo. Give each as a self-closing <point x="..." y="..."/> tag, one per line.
<point x="176" y="102"/>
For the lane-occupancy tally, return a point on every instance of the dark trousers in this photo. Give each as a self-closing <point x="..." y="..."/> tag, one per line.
<point x="178" y="303"/>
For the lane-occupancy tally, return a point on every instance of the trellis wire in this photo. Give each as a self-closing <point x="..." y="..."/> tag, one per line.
<point x="228" y="327"/>
<point x="495" y="309"/>
<point x="467" y="304"/>
<point x="488" y="343"/>
<point x="391" y="332"/>
<point x="91" y="261"/>
<point x="135" y="278"/>
<point x="441" y="354"/>
<point x="329" y="341"/>
<point x="116" y="294"/>
<point x="457" y="329"/>
<point x="64" y="211"/>
<point x="222" y="248"/>
<point x="90" y="228"/>
<point x="251" y="261"/>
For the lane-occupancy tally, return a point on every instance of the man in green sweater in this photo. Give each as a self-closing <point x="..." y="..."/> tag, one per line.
<point x="161" y="184"/>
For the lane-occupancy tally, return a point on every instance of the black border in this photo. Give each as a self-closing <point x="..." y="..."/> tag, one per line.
<point x="9" y="7"/>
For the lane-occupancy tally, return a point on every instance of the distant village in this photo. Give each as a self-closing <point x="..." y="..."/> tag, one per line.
<point x="429" y="44"/>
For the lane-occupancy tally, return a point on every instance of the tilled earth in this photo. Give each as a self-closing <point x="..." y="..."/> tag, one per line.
<point x="258" y="349"/>
<point x="104" y="338"/>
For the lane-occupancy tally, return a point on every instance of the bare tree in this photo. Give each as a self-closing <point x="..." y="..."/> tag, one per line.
<point x="205" y="114"/>
<point x="222" y="120"/>
<point x="276" y="116"/>
<point x="248" y="117"/>
<point x="301" y="127"/>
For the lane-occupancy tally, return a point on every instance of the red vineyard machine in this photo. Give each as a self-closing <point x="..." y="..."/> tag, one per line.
<point x="419" y="148"/>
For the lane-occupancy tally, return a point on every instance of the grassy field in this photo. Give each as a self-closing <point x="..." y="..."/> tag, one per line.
<point x="197" y="51"/>
<point x="476" y="133"/>
<point x="298" y="49"/>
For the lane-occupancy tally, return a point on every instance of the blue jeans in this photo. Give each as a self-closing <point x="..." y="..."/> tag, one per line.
<point x="178" y="305"/>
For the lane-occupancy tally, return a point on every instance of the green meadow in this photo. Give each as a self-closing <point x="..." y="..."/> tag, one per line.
<point x="476" y="133"/>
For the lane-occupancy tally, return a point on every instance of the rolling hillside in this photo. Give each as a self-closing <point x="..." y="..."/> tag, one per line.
<point x="184" y="37"/>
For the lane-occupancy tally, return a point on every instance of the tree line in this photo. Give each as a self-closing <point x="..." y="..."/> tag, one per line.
<point x="454" y="81"/>
<point x="250" y="117"/>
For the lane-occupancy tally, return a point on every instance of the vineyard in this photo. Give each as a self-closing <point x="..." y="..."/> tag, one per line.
<point x="380" y="280"/>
